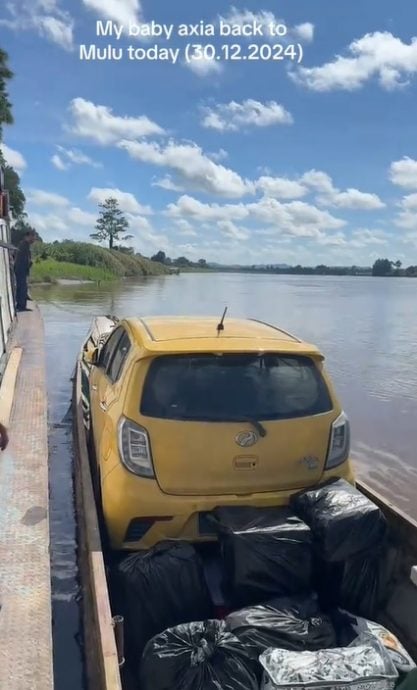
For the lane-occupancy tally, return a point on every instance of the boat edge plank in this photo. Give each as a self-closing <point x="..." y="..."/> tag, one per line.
<point x="99" y="639"/>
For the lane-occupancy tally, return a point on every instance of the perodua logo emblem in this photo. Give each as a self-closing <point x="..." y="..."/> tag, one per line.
<point x="246" y="439"/>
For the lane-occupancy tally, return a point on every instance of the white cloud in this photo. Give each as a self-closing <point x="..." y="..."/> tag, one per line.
<point x="353" y="199"/>
<point x="185" y="228"/>
<point x="233" y="116"/>
<point x="409" y="202"/>
<point x="407" y="216"/>
<point x="188" y="207"/>
<point x="281" y="187"/>
<point x="191" y="166"/>
<point x="319" y="181"/>
<point x="329" y="195"/>
<point x="232" y="231"/>
<point x="167" y="183"/>
<point x="218" y="156"/>
<point x="365" y="237"/>
<point x="121" y="11"/>
<point x="46" y="17"/>
<point x="14" y="158"/>
<point x="127" y="201"/>
<point x="98" y="123"/>
<point x="58" y="163"/>
<point x="204" y="67"/>
<point x="137" y="223"/>
<point x="294" y="218"/>
<point x="404" y="173"/>
<point x="49" y="223"/>
<point x="80" y="217"/>
<point x="376" y="55"/>
<point x="39" y="197"/>
<point x="66" y="158"/>
<point x="302" y="32"/>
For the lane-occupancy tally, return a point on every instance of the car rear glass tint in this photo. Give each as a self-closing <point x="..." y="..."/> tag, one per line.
<point x="234" y="387"/>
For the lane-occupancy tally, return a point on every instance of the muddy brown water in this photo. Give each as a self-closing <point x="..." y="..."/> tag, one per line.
<point x="366" y="328"/>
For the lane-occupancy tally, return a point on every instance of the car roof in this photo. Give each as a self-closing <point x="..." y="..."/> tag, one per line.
<point x="177" y="334"/>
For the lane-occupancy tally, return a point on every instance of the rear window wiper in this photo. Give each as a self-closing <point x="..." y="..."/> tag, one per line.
<point x="257" y="424"/>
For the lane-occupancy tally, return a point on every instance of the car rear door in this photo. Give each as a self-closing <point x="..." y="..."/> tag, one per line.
<point x="105" y="382"/>
<point x="202" y="414"/>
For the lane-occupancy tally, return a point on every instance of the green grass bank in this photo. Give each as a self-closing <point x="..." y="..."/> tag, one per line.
<point x="83" y="261"/>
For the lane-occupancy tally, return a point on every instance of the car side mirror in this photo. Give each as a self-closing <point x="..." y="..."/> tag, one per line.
<point x="92" y="357"/>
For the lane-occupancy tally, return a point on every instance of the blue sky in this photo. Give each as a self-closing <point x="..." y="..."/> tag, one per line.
<point x="249" y="161"/>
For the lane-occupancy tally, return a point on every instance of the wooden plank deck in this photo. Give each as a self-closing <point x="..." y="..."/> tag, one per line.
<point x="25" y="586"/>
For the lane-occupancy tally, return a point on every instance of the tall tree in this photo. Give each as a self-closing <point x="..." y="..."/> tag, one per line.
<point x="110" y="223"/>
<point x="16" y="196"/>
<point x="6" y="117"/>
<point x="382" y="267"/>
<point x="19" y="229"/>
<point x="11" y="178"/>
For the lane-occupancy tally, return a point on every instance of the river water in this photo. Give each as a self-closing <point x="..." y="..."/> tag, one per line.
<point x="365" y="327"/>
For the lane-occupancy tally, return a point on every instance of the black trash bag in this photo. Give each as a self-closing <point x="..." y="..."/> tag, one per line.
<point x="197" y="656"/>
<point x="289" y="623"/>
<point x="327" y="580"/>
<point x="365" y="583"/>
<point x="343" y="521"/>
<point x="266" y="553"/>
<point x="159" y="589"/>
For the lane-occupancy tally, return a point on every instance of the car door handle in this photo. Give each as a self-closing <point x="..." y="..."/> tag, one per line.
<point x="94" y="388"/>
<point x="103" y="405"/>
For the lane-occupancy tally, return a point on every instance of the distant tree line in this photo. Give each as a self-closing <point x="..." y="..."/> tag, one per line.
<point x="180" y="262"/>
<point x="387" y="268"/>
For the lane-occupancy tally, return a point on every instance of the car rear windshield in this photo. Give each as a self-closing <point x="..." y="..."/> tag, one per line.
<point x="231" y="387"/>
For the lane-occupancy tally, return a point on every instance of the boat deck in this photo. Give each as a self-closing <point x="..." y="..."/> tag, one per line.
<point x="25" y="585"/>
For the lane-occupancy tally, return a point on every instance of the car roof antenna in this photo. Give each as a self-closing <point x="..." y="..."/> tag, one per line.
<point x="220" y="326"/>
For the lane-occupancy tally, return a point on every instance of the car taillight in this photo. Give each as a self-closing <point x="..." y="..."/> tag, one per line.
<point x="135" y="449"/>
<point x="339" y="445"/>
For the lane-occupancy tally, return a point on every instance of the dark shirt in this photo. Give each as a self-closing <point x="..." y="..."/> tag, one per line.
<point x="23" y="259"/>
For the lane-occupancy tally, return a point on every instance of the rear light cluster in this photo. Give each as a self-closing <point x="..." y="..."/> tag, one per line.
<point x="339" y="446"/>
<point x="135" y="449"/>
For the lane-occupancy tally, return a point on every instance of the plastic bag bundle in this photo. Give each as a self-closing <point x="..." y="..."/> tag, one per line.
<point x="266" y="553"/>
<point x="352" y="629"/>
<point x="197" y="656"/>
<point x="161" y="588"/>
<point x="294" y="624"/>
<point x="344" y="522"/>
<point x="364" y="584"/>
<point x="352" y="668"/>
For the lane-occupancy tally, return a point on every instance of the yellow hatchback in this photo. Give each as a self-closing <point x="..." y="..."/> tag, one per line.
<point x="188" y="415"/>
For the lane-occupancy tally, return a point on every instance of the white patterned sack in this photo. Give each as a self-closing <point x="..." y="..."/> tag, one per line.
<point x="366" y="666"/>
<point x="399" y="655"/>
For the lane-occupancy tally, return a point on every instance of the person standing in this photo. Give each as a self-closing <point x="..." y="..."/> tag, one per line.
<point x="22" y="266"/>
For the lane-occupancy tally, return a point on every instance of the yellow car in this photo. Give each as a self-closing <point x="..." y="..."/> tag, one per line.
<point x="188" y="415"/>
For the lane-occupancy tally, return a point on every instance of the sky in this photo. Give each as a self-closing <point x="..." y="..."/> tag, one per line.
<point x="246" y="132"/>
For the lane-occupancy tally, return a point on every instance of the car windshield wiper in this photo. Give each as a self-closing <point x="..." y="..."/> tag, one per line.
<point x="212" y="418"/>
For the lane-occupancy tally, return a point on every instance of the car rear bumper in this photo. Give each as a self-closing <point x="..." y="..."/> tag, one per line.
<point x="138" y="514"/>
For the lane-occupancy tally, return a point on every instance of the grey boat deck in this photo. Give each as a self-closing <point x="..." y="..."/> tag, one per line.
<point x="25" y="589"/>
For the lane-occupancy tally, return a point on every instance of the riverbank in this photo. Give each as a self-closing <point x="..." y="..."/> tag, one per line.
<point x="81" y="261"/>
<point x="50" y="271"/>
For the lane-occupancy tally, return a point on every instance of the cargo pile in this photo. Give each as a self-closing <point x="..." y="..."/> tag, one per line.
<point x="300" y="586"/>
